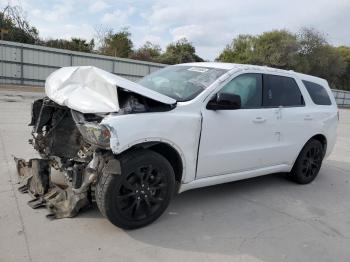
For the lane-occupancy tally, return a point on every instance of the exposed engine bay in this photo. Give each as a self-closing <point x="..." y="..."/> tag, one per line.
<point x="74" y="146"/>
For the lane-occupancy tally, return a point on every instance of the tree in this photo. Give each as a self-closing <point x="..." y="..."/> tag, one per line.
<point x="14" y="26"/>
<point x="277" y="48"/>
<point x="307" y="52"/>
<point x="343" y="82"/>
<point x="181" y="51"/>
<point x="327" y="63"/>
<point x="310" y="39"/>
<point x="148" y="52"/>
<point x="75" y="44"/>
<point x="317" y="57"/>
<point x="101" y="33"/>
<point x="241" y="50"/>
<point x="117" y="44"/>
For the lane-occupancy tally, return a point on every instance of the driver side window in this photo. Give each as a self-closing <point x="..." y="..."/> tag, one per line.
<point x="248" y="87"/>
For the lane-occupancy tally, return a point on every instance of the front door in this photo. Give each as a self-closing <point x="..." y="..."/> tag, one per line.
<point x="238" y="140"/>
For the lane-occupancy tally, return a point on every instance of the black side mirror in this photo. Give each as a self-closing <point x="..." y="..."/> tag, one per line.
<point x="224" y="101"/>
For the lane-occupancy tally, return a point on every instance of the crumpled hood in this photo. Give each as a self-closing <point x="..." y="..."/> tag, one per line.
<point x="88" y="89"/>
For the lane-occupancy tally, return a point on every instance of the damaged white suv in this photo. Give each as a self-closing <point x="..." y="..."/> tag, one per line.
<point x="131" y="146"/>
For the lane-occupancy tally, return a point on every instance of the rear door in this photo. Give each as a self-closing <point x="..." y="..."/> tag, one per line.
<point x="294" y="123"/>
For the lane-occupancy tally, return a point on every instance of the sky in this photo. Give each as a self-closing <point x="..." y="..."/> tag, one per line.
<point x="209" y="25"/>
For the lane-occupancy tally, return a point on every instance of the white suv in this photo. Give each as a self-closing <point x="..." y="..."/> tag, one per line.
<point x="133" y="145"/>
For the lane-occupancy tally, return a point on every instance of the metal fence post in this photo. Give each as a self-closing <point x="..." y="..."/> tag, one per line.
<point x="71" y="59"/>
<point x="22" y="73"/>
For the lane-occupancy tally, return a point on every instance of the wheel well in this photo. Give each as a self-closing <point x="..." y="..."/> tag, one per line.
<point x="167" y="151"/>
<point x="323" y="140"/>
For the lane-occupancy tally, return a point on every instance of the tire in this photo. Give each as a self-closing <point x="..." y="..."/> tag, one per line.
<point x="140" y="194"/>
<point x="308" y="163"/>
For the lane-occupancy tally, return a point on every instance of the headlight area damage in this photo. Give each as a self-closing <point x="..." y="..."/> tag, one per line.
<point x="73" y="144"/>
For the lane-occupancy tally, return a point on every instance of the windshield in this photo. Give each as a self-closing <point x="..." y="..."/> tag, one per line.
<point x="182" y="83"/>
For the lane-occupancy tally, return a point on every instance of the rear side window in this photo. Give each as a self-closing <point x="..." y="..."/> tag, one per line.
<point x="281" y="91"/>
<point x="318" y="93"/>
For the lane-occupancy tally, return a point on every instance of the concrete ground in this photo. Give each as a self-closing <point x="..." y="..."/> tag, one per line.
<point x="261" y="219"/>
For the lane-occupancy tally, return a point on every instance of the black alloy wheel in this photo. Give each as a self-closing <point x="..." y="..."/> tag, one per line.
<point x="308" y="163"/>
<point x="140" y="194"/>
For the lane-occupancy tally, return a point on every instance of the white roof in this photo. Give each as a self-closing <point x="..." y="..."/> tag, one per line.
<point x="263" y="69"/>
<point x="227" y="66"/>
<point x="230" y="66"/>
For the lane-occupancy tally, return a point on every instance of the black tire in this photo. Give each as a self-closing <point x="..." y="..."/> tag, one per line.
<point x="140" y="194"/>
<point x="308" y="163"/>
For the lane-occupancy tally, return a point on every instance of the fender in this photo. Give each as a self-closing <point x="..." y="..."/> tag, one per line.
<point x="177" y="128"/>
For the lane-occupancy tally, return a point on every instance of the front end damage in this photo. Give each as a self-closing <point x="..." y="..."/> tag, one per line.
<point x="73" y="145"/>
<point x="62" y="179"/>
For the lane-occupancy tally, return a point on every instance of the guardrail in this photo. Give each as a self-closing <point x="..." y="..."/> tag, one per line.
<point x="31" y="64"/>
<point x="342" y="97"/>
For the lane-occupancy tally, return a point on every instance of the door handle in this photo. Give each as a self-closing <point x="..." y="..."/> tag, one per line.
<point x="259" y="120"/>
<point x="308" y="117"/>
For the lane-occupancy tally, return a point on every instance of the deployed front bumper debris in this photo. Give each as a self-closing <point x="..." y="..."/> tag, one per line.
<point x="63" y="200"/>
<point x="34" y="178"/>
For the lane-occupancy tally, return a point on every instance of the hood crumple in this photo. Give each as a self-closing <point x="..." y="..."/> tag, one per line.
<point x="88" y="89"/>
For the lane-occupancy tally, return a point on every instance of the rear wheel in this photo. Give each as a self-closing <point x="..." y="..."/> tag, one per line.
<point x="140" y="194"/>
<point x="308" y="163"/>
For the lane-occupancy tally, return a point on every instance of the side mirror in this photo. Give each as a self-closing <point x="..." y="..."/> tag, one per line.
<point x="224" y="101"/>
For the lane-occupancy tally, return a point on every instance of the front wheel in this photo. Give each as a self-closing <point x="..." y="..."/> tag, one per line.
<point x="308" y="163"/>
<point x="140" y="194"/>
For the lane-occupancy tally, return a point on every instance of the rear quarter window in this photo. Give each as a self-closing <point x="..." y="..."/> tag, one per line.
<point x="317" y="93"/>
